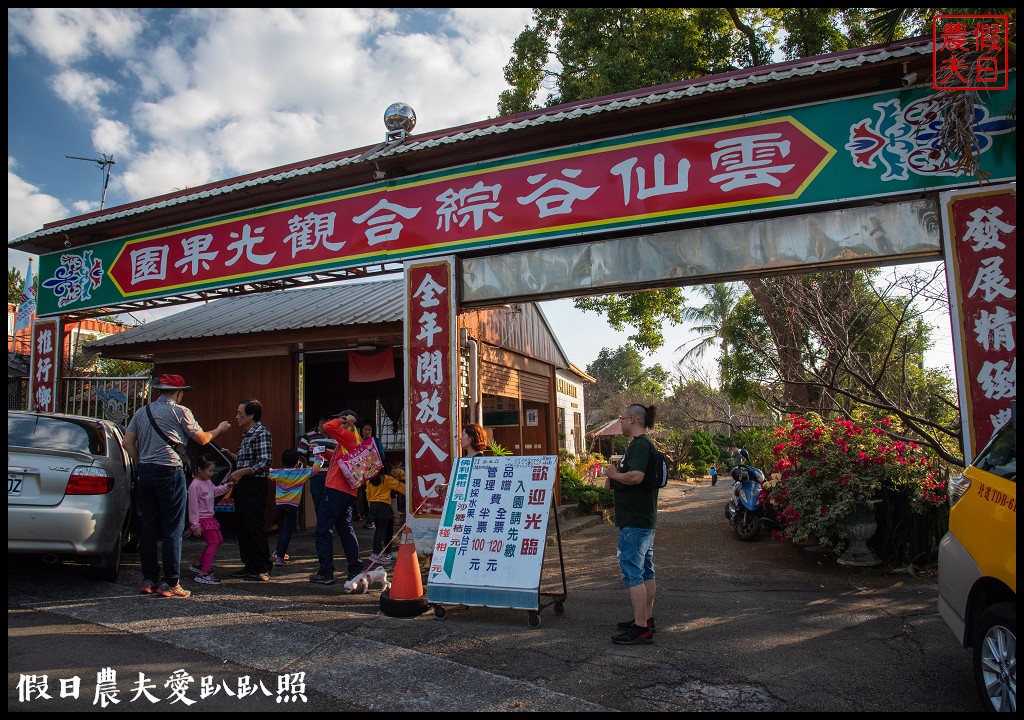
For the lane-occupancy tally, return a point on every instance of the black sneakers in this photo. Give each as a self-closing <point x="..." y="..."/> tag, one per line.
<point x="635" y="635"/>
<point x="322" y="579"/>
<point x="627" y="624"/>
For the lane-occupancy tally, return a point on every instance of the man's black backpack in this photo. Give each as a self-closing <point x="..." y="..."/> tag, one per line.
<point x="656" y="476"/>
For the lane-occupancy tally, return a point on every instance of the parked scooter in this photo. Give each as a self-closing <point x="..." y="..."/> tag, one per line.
<point x="744" y="511"/>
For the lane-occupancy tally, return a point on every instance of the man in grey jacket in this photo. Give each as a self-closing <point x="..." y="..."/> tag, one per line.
<point x="162" y="495"/>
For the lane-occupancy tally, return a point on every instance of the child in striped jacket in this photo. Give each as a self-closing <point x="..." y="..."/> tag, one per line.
<point x="289" y="481"/>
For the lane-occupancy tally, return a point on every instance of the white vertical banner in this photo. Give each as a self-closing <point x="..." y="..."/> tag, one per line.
<point x="27" y="304"/>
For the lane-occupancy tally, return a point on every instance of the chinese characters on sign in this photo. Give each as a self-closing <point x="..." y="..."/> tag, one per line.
<point x="430" y="379"/>
<point x="982" y="268"/>
<point x="45" y="366"/>
<point x="970" y="52"/>
<point x="631" y="181"/>
<point x="491" y="538"/>
<point x="178" y="689"/>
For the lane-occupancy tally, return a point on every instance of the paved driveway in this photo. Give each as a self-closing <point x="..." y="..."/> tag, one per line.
<point x="741" y="626"/>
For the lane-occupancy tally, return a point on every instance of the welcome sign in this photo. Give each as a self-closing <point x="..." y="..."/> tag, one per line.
<point x="871" y="146"/>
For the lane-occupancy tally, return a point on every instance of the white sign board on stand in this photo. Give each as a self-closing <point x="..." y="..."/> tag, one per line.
<point x="490" y="541"/>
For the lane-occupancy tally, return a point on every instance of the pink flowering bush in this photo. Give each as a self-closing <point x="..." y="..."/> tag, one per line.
<point x="825" y="469"/>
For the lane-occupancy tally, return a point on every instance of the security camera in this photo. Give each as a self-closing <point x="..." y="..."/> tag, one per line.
<point x="909" y="79"/>
<point x="67" y="243"/>
<point x="379" y="174"/>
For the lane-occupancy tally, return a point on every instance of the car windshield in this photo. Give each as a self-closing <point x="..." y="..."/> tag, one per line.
<point x="40" y="432"/>
<point x="1000" y="456"/>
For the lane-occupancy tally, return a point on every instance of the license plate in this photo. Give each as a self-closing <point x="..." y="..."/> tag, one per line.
<point x="14" y="485"/>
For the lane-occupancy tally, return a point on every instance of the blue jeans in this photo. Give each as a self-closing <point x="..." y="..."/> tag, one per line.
<point x="636" y="555"/>
<point x="162" y="500"/>
<point x="336" y="510"/>
<point x="316" y="488"/>
<point x="289" y="516"/>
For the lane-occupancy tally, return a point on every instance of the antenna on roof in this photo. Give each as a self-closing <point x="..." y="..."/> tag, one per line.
<point x="104" y="161"/>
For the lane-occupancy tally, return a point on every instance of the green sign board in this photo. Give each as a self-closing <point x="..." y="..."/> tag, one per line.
<point x="855" y="149"/>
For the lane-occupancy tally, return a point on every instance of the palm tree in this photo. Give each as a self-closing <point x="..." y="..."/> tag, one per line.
<point x="708" y="319"/>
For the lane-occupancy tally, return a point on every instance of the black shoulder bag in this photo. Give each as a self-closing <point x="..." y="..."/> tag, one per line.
<point x="179" y="448"/>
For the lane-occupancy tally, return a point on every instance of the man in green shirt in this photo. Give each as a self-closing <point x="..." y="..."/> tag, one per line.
<point x="636" y="515"/>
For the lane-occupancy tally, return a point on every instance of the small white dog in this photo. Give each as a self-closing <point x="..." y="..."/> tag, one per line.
<point x="364" y="580"/>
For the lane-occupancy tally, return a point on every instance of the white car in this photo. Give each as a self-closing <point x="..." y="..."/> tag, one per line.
<point x="69" y="489"/>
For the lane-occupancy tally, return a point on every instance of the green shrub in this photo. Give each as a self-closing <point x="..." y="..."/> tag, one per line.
<point x="701" y="449"/>
<point x="825" y="469"/>
<point x="686" y="470"/>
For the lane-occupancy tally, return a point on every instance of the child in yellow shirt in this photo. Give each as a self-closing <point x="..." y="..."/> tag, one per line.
<point x="378" y="495"/>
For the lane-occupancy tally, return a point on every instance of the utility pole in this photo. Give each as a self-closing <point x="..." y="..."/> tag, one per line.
<point x="104" y="161"/>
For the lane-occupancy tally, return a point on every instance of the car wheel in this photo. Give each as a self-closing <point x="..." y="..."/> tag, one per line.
<point x="107" y="567"/>
<point x="995" y="658"/>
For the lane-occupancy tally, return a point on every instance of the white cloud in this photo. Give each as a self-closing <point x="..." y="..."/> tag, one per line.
<point x="165" y="170"/>
<point x="112" y="137"/>
<point x="80" y="90"/>
<point x="27" y="207"/>
<point x="216" y="93"/>
<point x="257" y="89"/>
<point x="65" y="35"/>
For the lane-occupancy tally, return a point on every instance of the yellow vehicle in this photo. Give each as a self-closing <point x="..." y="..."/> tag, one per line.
<point x="978" y="567"/>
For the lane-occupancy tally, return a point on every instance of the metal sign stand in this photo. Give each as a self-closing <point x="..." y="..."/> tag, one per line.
<point x="557" y="599"/>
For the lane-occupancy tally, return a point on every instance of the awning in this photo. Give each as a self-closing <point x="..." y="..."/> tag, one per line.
<point x="610" y="428"/>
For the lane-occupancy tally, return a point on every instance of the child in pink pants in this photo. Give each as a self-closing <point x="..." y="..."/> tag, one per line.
<point x="201" y="495"/>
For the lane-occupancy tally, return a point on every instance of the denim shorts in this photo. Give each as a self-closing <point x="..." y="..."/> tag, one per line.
<point x="636" y="555"/>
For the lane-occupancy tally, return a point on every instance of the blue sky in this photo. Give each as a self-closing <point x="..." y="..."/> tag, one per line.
<point x="182" y="97"/>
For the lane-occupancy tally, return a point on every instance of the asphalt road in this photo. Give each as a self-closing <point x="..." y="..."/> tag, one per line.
<point x="761" y="626"/>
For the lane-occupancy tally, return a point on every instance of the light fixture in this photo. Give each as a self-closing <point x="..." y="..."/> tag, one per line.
<point x="399" y="119"/>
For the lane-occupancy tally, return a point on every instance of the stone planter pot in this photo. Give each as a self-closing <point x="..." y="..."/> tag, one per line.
<point x="861" y="527"/>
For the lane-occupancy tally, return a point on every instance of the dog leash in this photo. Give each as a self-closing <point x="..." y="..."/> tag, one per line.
<point x="407" y="516"/>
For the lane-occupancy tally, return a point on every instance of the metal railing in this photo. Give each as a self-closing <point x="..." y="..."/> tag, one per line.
<point x="112" y="398"/>
<point x="17" y="393"/>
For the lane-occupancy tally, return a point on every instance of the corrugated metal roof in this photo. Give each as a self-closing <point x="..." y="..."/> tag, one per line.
<point x="348" y="303"/>
<point x="733" y="80"/>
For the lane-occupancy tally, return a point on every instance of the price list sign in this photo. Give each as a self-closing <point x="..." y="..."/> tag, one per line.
<point x="490" y="541"/>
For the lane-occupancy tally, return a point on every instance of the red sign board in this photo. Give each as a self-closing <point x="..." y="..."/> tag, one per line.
<point x="45" y="368"/>
<point x="431" y="383"/>
<point x="970" y="52"/>
<point x="982" y="269"/>
<point x="647" y="179"/>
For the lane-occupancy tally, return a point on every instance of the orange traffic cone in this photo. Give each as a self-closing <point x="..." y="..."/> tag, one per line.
<point x="406" y="583"/>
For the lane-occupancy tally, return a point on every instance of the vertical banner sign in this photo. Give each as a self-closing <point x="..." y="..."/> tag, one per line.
<point x="46" y="349"/>
<point x="490" y="541"/>
<point x="981" y="272"/>
<point x="430" y="387"/>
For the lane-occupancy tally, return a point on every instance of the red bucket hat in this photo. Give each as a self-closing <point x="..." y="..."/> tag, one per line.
<point x="171" y="382"/>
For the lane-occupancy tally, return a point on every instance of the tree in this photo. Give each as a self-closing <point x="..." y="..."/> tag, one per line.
<point x="15" y="284"/>
<point x="860" y="339"/>
<point x="708" y="319"/>
<point x="622" y="379"/>
<point x="647" y="312"/>
<point x="605" y="50"/>
<point x="600" y="51"/>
